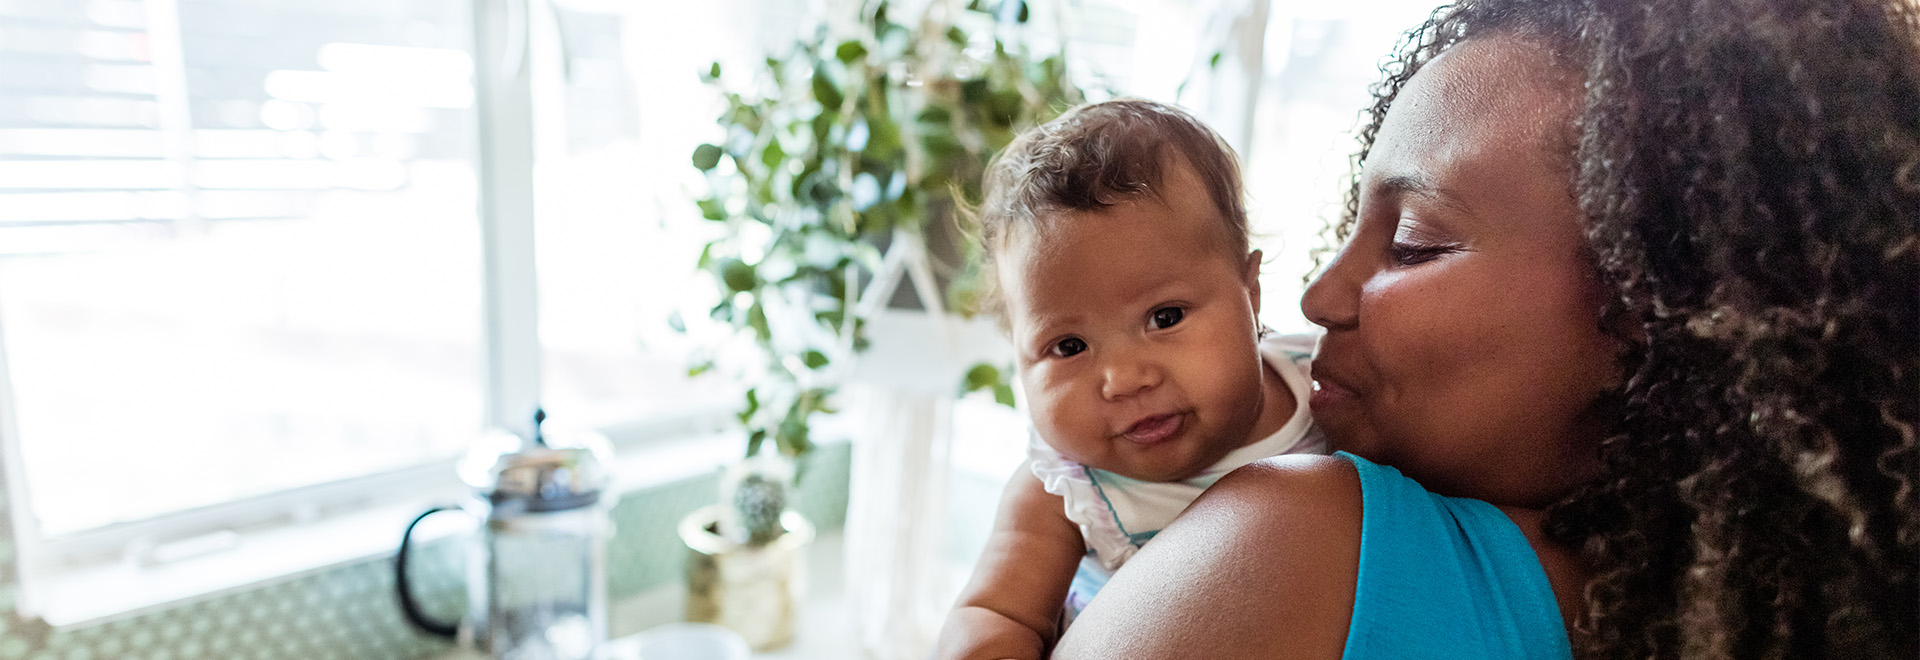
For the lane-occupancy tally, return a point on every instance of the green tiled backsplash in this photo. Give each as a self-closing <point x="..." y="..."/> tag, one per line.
<point x="349" y="612"/>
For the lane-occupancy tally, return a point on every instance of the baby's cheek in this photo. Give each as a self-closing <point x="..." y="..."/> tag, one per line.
<point x="1053" y="417"/>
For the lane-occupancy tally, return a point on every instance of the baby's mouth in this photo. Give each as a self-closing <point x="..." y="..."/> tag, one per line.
<point x="1155" y="429"/>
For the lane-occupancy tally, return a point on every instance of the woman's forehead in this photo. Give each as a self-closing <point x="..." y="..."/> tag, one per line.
<point x="1490" y="94"/>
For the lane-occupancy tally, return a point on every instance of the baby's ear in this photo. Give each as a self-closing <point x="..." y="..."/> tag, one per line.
<point x="1250" y="276"/>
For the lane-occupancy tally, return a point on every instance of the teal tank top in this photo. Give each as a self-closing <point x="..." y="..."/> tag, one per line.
<point x="1444" y="578"/>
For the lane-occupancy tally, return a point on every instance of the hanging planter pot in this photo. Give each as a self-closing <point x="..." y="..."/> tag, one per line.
<point x="755" y="590"/>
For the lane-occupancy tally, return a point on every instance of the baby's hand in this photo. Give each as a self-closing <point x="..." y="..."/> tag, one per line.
<point x="1009" y="611"/>
<point x="978" y="633"/>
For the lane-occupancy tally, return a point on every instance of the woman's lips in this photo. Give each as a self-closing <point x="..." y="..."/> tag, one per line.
<point x="1155" y="429"/>
<point x="1328" y="394"/>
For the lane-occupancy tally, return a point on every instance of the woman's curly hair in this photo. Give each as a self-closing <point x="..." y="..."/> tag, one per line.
<point x="1750" y="175"/>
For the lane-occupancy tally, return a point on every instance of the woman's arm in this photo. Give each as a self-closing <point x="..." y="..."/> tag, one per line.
<point x="1010" y="607"/>
<point x="1261" y="566"/>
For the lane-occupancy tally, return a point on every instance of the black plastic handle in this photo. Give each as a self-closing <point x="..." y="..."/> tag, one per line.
<point x="408" y="606"/>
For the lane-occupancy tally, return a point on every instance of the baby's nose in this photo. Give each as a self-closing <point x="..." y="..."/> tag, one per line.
<point x="1126" y="376"/>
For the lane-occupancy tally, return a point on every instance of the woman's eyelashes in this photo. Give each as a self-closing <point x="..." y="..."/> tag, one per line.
<point x="1416" y="243"/>
<point x="1409" y="254"/>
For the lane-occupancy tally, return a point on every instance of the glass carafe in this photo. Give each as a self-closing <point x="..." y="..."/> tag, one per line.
<point x="536" y="570"/>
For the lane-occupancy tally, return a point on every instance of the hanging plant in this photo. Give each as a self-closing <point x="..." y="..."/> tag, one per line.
<point x="856" y="134"/>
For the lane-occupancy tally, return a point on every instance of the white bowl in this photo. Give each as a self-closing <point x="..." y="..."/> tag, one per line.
<point x="690" y="641"/>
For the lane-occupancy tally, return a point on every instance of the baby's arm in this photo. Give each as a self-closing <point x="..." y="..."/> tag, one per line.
<point x="1010" y="607"/>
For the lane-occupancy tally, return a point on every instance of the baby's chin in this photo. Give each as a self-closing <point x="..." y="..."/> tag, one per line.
<point x="1187" y="466"/>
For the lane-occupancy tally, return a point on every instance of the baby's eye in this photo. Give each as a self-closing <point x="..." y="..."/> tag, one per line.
<point x="1069" y="347"/>
<point x="1167" y="317"/>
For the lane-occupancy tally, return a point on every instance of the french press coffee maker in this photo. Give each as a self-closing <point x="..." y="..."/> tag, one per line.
<point x="536" y="568"/>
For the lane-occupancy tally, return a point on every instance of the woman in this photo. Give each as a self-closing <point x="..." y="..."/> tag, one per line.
<point x="1644" y="276"/>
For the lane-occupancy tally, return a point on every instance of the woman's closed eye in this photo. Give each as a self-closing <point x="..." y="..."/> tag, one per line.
<point x="1409" y="254"/>
<point x="1069" y="347"/>
<point x="1416" y="242"/>
<point x="1166" y="317"/>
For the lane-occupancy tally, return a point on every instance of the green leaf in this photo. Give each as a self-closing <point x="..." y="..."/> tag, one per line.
<point x="957" y="36"/>
<point x="753" y="406"/>
<point x="773" y="155"/>
<point x="712" y="210"/>
<point x="793" y="428"/>
<point x="997" y="137"/>
<point x="831" y="318"/>
<point x="1214" y="62"/>
<point x="935" y="180"/>
<point x="713" y="72"/>
<point x="974" y="91"/>
<point x="981" y="376"/>
<point x="883" y="139"/>
<point x="825" y="91"/>
<point x="757" y="319"/>
<point x="706" y="156"/>
<point x="706" y="256"/>
<point x="1004" y="395"/>
<point x="674" y="321"/>
<point x="936" y="115"/>
<point x="941" y="144"/>
<point x="754" y="441"/>
<point x="792" y="434"/>
<point x="837" y="282"/>
<point x="823" y="126"/>
<point x="747" y="117"/>
<point x="1004" y="106"/>
<point x="738" y="275"/>
<point x="850" y="51"/>
<point x="814" y="359"/>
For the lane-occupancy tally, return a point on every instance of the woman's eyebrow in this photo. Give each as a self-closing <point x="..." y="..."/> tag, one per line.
<point x="1411" y="184"/>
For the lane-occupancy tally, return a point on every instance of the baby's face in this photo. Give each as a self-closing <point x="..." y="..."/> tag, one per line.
<point x="1136" y="334"/>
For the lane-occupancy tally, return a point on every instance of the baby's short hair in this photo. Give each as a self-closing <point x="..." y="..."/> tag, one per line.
<point x="1101" y="154"/>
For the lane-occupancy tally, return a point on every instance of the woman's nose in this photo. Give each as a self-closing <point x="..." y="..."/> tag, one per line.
<point x="1332" y="300"/>
<point x="1125" y="374"/>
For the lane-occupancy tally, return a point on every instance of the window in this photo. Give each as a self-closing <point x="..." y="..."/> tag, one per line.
<point x="240" y="252"/>
<point x="622" y="110"/>
<point x="246" y="278"/>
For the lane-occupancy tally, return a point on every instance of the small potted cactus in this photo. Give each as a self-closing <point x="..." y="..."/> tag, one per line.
<point x="747" y="565"/>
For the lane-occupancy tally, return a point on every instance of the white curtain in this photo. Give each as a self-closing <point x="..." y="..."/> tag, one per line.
<point x="898" y="585"/>
<point x="905" y="559"/>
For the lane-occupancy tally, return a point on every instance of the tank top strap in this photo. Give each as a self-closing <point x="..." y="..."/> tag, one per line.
<point x="1443" y="577"/>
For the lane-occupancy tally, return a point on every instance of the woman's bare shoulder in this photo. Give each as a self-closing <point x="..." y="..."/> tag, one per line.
<point x="1310" y="480"/>
<point x="1312" y="500"/>
<point x="1262" y="565"/>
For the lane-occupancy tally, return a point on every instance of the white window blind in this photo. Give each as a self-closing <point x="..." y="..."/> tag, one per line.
<point x="238" y="247"/>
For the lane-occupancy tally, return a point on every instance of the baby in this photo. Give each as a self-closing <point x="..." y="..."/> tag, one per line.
<point x="1119" y="242"/>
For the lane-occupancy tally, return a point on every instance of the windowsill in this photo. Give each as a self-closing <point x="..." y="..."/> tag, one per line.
<point x="88" y="595"/>
<point x="912" y="352"/>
